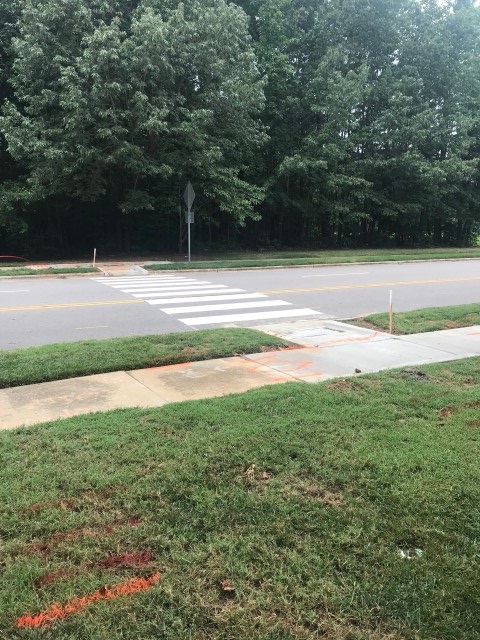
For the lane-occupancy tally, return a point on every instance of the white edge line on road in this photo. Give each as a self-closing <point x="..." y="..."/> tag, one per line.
<point x="327" y="275"/>
<point x="98" y="326"/>
<point x="14" y="290"/>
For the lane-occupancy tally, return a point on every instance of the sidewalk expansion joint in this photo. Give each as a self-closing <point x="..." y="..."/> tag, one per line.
<point x="129" y="373"/>
<point x="276" y="368"/>
<point x="404" y="338"/>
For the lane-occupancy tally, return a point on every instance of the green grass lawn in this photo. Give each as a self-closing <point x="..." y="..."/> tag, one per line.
<point x="249" y="259"/>
<point x="279" y="514"/>
<point x="421" y="320"/>
<point x="28" y="271"/>
<point x="73" y="359"/>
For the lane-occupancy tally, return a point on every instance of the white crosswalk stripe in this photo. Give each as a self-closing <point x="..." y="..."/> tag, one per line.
<point x="262" y="315"/>
<point x="200" y="298"/>
<point x="226" y="307"/>
<point x="178" y="287"/>
<point x="190" y="293"/>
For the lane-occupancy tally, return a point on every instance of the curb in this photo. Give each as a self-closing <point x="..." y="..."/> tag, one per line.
<point x="304" y="266"/>
<point x="144" y="269"/>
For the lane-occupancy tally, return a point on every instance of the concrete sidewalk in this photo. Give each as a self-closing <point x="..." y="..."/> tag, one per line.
<point x="329" y="349"/>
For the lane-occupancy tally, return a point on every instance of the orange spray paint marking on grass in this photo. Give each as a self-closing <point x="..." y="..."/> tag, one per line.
<point x="75" y="605"/>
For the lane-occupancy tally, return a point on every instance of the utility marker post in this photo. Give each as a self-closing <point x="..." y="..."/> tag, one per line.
<point x="391" y="312"/>
<point x="189" y="197"/>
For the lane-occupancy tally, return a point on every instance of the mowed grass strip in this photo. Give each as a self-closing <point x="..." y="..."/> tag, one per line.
<point x="279" y="514"/>
<point x="28" y="271"/>
<point x="74" y="359"/>
<point x="422" y="320"/>
<point x="291" y="258"/>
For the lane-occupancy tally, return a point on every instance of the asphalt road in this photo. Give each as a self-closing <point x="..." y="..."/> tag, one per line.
<point x="45" y="310"/>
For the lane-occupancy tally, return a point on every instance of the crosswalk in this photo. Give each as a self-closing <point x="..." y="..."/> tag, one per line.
<point x="186" y="297"/>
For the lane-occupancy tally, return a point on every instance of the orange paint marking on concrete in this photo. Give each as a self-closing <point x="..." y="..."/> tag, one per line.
<point x="265" y="359"/>
<point x="301" y="365"/>
<point x="474" y="333"/>
<point x="348" y="340"/>
<point x="307" y="375"/>
<point x="75" y="605"/>
<point x="254" y="366"/>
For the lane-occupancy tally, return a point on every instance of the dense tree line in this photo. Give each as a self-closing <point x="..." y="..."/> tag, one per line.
<point x="299" y="122"/>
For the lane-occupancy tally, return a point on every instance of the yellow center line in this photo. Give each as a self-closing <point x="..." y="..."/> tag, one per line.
<point x="370" y="285"/>
<point x="70" y="305"/>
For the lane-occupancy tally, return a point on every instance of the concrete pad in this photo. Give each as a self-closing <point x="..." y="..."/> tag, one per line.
<point x="65" y="398"/>
<point x="208" y="379"/>
<point x="341" y="359"/>
<point x="462" y="342"/>
<point x="380" y="356"/>
<point x="314" y="333"/>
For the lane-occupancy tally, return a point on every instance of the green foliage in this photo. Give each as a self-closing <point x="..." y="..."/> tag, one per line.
<point x="351" y="122"/>
<point x="391" y="123"/>
<point x="125" y="107"/>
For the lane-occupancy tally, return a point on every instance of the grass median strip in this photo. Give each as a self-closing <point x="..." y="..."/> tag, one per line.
<point x="291" y="258"/>
<point x="28" y="271"/>
<point x="74" y="359"/>
<point x="422" y="320"/>
<point x="347" y="509"/>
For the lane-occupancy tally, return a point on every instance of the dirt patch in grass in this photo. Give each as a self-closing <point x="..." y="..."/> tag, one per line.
<point x="149" y="419"/>
<point x="474" y="424"/>
<point x="64" y="504"/>
<point x="44" y="547"/>
<point x="73" y="504"/>
<point x="467" y="382"/>
<point x="415" y="374"/>
<point x="193" y="351"/>
<point x="307" y="487"/>
<point x="446" y="412"/>
<point x="126" y="560"/>
<point x="254" y="478"/>
<point x="118" y="561"/>
<point x="343" y="385"/>
<point x="52" y="577"/>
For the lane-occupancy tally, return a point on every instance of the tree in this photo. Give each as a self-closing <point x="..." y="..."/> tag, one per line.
<point x="383" y="118"/>
<point x="120" y="109"/>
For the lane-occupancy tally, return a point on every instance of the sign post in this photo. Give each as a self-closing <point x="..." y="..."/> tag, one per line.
<point x="189" y="197"/>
